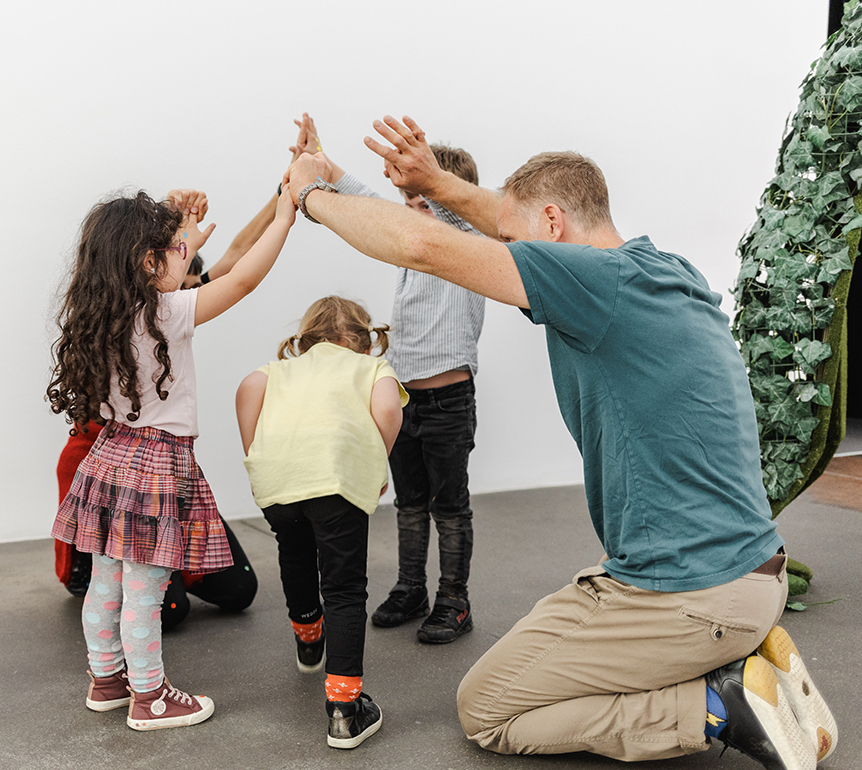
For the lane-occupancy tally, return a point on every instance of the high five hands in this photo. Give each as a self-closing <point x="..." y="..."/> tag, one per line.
<point x="409" y="163"/>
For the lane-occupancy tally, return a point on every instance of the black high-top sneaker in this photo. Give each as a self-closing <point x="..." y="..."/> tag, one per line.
<point x="403" y="603"/>
<point x="449" y="619"/>
<point x="351" y="722"/>
<point x="310" y="656"/>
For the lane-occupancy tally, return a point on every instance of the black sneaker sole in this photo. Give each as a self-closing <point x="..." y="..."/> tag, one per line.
<point x="389" y="621"/>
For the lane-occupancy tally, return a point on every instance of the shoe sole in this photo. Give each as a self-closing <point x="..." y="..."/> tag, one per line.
<point x="419" y="612"/>
<point x="352" y="743"/>
<point x="809" y="707"/>
<point x="107" y="705"/>
<point x="192" y="719"/>
<point x="304" y="669"/>
<point x="465" y="628"/>
<point x="772" y="710"/>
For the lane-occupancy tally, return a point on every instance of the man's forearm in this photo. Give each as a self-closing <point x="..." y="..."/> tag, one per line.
<point x="476" y="205"/>
<point x="394" y="234"/>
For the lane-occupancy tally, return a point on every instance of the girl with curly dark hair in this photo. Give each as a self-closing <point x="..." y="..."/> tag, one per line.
<point x="139" y="502"/>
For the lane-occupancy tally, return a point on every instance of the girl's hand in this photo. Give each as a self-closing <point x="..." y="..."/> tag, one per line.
<point x="191" y="235"/>
<point x="285" y="209"/>
<point x="383" y="491"/>
<point x="188" y="201"/>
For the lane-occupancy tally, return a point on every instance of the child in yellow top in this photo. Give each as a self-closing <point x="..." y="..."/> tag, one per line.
<point x="317" y="426"/>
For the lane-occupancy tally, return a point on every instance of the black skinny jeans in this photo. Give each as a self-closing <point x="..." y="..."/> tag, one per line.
<point x="332" y="534"/>
<point x="429" y="471"/>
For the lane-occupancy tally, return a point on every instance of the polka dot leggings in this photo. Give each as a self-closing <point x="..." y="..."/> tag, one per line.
<point x="122" y="620"/>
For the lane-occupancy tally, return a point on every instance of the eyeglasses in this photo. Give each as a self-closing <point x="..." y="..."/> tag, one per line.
<point x="184" y="252"/>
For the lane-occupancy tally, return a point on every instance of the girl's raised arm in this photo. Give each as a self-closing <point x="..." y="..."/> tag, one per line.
<point x="221" y="293"/>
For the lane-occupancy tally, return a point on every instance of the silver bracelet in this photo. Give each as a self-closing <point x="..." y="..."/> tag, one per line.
<point x="317" y="185"/>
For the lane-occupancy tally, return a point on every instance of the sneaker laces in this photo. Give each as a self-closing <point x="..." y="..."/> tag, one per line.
<point x="393" y="601"/>
<point x="177" y="695"/>
<point x="439" y="615"/>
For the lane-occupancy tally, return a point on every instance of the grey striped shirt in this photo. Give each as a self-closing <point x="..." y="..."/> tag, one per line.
<point x="435" y="324"/>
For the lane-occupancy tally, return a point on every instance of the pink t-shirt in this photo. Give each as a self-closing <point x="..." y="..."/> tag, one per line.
<point x="178" y="413"/>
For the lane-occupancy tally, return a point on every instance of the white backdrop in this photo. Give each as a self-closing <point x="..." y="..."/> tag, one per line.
<point x="681" y="103"/>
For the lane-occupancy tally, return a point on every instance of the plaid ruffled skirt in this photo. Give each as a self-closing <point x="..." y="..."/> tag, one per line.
<point x="140" y="496"/>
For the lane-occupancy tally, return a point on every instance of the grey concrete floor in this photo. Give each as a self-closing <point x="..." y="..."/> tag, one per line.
<point x="528" y="544"/>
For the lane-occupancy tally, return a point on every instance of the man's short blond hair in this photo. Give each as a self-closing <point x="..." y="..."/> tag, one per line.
<point x="571" y="181"/>
<point x="457" y="161"/>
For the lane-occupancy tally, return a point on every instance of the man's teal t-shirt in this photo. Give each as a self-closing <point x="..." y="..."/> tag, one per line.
<point x="654" y="391"/>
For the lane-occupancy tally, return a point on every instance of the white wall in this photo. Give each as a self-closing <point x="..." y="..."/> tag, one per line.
<point x="682" y="104"/>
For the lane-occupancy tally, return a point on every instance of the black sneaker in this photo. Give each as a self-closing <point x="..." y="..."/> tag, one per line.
<point x="448" y="620"/>
<point x="404" y="603"/>
<point x="351" y="722"/>
<point x="310" y="656"/>
<point x="760" y="722"/>
<point x="79" y="579"/>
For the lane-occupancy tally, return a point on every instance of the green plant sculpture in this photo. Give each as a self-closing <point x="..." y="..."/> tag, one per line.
<point x="797" y="262"/>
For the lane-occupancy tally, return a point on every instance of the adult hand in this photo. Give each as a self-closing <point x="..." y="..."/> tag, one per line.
<point x="307" y="140"/>
<point x="188" y="201"/>
<point x="305" y="170"/>
<point x="410" y="163"/>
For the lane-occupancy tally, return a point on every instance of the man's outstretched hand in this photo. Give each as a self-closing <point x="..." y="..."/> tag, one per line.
<point x="409" y="163"/>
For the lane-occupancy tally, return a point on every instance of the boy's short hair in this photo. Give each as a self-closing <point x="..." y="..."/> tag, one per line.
<point x="457" y="161"/>
<point x="196" y="267"/>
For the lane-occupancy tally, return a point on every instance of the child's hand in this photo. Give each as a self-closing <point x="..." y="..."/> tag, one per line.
<point x="192" y="236"/>
<point x="383" y="491"/>
<point x="188" y="201"/>
<point x="285" y="208"/>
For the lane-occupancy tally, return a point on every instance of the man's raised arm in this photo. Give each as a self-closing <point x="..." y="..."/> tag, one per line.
<point x="411" y="166"/>
<point x="399" y="236"/>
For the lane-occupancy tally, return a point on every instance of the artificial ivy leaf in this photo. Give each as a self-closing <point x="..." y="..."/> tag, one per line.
<point x="830" y="268"/>
<point x="803" y="428"/>
<point x="770" y="387"/>
<point x="818" y="135"/>
<point x="796" y="606"/>
<point x="809" y="353"/>
<point x="823" y="316"/>
<point x="805" y="391"/>
<point x="854" y="224"/>
<point x="794" y="269"/>
<point x="824" y="395"/>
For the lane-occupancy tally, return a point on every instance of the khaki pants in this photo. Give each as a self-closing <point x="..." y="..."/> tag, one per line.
<point x="604" y="667"/>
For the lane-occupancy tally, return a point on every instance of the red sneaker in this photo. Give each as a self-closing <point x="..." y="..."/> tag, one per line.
<point x="167" y="707"/>
<point x="108" y="692"/>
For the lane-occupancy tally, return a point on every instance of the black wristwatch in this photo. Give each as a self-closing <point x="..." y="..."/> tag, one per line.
<point x="317" y="185"/>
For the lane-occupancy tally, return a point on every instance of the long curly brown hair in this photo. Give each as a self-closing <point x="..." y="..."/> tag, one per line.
<point x="109" y="290"/>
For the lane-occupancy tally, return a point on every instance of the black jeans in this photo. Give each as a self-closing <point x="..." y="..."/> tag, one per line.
<point x="332" y="533"/>
<point x="232" y="590"/>
<point x="429" y="472"/>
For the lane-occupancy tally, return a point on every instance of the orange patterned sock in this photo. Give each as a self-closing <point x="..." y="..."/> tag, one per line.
<point x="308" y="632"/>
<point x="343" y="688"/>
